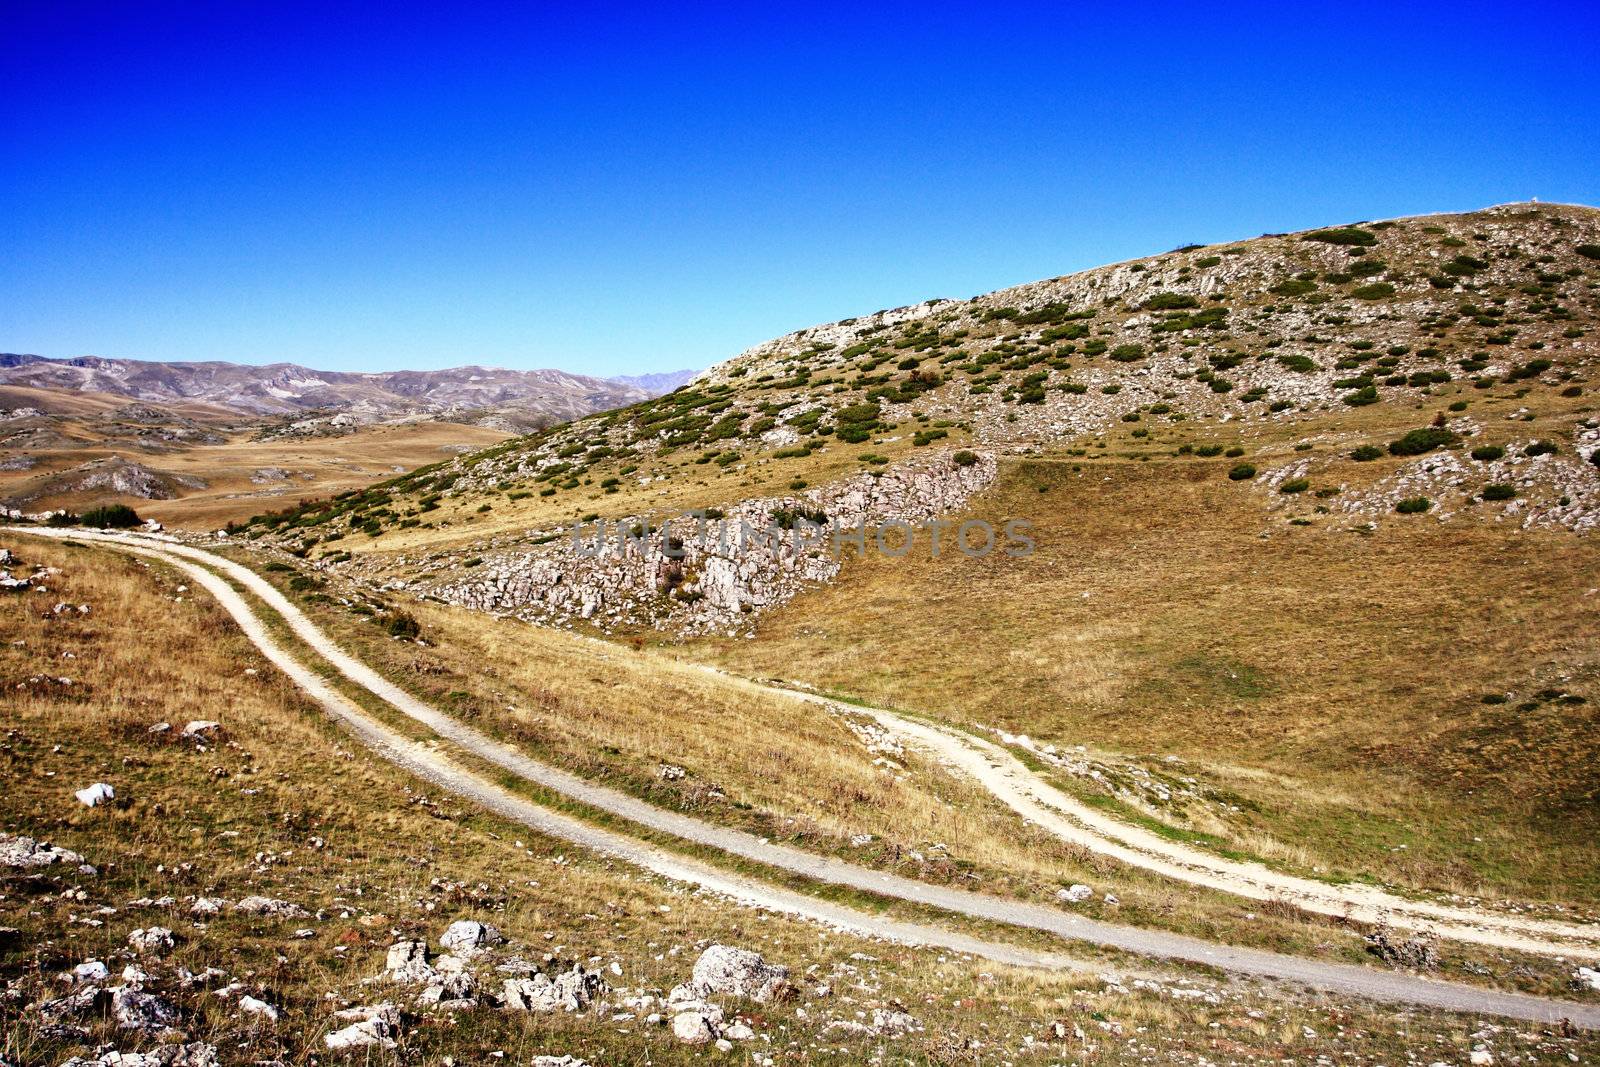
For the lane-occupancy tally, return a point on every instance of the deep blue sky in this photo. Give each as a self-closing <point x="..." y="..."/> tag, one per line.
<point x="612" y="190"/>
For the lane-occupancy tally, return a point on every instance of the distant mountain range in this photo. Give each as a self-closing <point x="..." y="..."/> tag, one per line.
<point x="511" y="399"/>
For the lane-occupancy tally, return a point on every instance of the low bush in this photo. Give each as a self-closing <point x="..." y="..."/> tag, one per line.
<point x="1352" y="236"/>
<point x="111" y="517"/>
<point x="1366" y="453"/>
<point x="1498" y="491"/>
<point x="1295" y="485"/>
<point x="1241" y="472"/>
<point x="1541" y="448"/>
<point x="1488" y="453"/>
<point x="1415" y="505"/>
<point x="1420" y="441"/>
<point x="964" y="458"/>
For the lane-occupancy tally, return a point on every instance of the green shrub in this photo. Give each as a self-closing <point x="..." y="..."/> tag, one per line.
<point x="1541" y="448"/>
<point x="1170" y="302"/>
<point x="1420" y="441"/>
<point x="111" y="516"/>
<point x="1298" y="364"/>
<point x="1208" y="450"/>
<point x="1295" y="485"/>
<point x="1498" y="491"/>
<point x="1414" y="505"/>
<point x="1241" y="472"/>
<point x="60" y="519"/>
<point x="1375" y="291"/>
<point x="401" y="624"/>
<point x="964" y="458"/>
<point x="1352" y="236"/>
<point x="1127" y="353"/>
<point x="1294" y="287"/>
<point x="1366" y="453"/>
<point x="1588" y="251"/>
<point x="1488" y="453"/>
<point x="1367" y="394"/>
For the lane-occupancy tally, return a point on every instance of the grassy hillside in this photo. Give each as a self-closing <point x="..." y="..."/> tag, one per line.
<point x="1280" y="329"/>
<point x="1312" y="514"/>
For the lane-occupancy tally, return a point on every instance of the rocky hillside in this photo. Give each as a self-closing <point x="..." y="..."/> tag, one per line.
<point x="1278" y="333"/>
<point x="513" y="399"/>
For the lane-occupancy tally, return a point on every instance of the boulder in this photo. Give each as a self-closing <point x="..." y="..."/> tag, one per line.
<point x="18" y="851"/>
<point x="573" y="991"/>
<point x="90" y="971"/>
<point x="469" y="935"/>
<point x="729" y="971"/>
<point x="95" y="795"/>
<point x="203" y="730"/>
<point x="1074" y="894"/>
<point x="693" y="1027"/>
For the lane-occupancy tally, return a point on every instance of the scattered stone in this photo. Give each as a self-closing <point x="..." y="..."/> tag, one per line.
<point x="207" y="906"/>
<point x="194" y="1054"/>
<point x="155" y="941"/>
<point x="1074" y="894"/>
<point x="276" y="909"/>
<point x="1417" y="952"/>
<point x="729" y="971"/>
<point x="374" y="1025"/>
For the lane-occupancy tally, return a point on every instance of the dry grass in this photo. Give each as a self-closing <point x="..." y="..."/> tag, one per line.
<point x="318" y="466"/>
<point x="1331" y="681"/>
<point x="247" y="817"/>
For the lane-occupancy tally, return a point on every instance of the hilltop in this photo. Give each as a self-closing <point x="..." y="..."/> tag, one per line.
<point x="1343" y="331"/>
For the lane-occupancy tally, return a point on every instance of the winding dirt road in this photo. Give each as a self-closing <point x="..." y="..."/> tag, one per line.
<point x="1038" y="801"/>
<point x="425" y="761"/>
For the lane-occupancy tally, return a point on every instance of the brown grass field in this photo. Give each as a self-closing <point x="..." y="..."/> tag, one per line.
<point x="285" y="808"/>
<point x="1328" y="684"/>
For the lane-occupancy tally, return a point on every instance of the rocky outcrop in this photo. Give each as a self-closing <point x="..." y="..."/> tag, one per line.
<point x="717" y="572"/>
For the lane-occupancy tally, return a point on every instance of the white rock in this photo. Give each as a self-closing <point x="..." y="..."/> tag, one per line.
<point x="90" y="971"/>
<point x="723" y="969"/>
<point x="468" y="935"/>
<point x="202" y="728"/>
<point x="277" y="909"/>
<point x="249" y="1005"/>
<point x="692" y="1027"/>
<point x="26" y="852"/>
<point x="95" y="795"/>
<point x="1074" y="894"/>
<point x="375" y="1025"/>
<point x="154" y="941"/>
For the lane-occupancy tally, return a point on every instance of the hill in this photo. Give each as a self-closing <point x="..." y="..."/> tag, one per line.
<point x="1310" y="520"/>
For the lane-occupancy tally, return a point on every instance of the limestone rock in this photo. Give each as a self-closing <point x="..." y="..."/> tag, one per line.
<point x="729" y="971"/>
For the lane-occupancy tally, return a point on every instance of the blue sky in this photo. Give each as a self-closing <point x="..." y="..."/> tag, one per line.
<point x="617" y="190"/>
